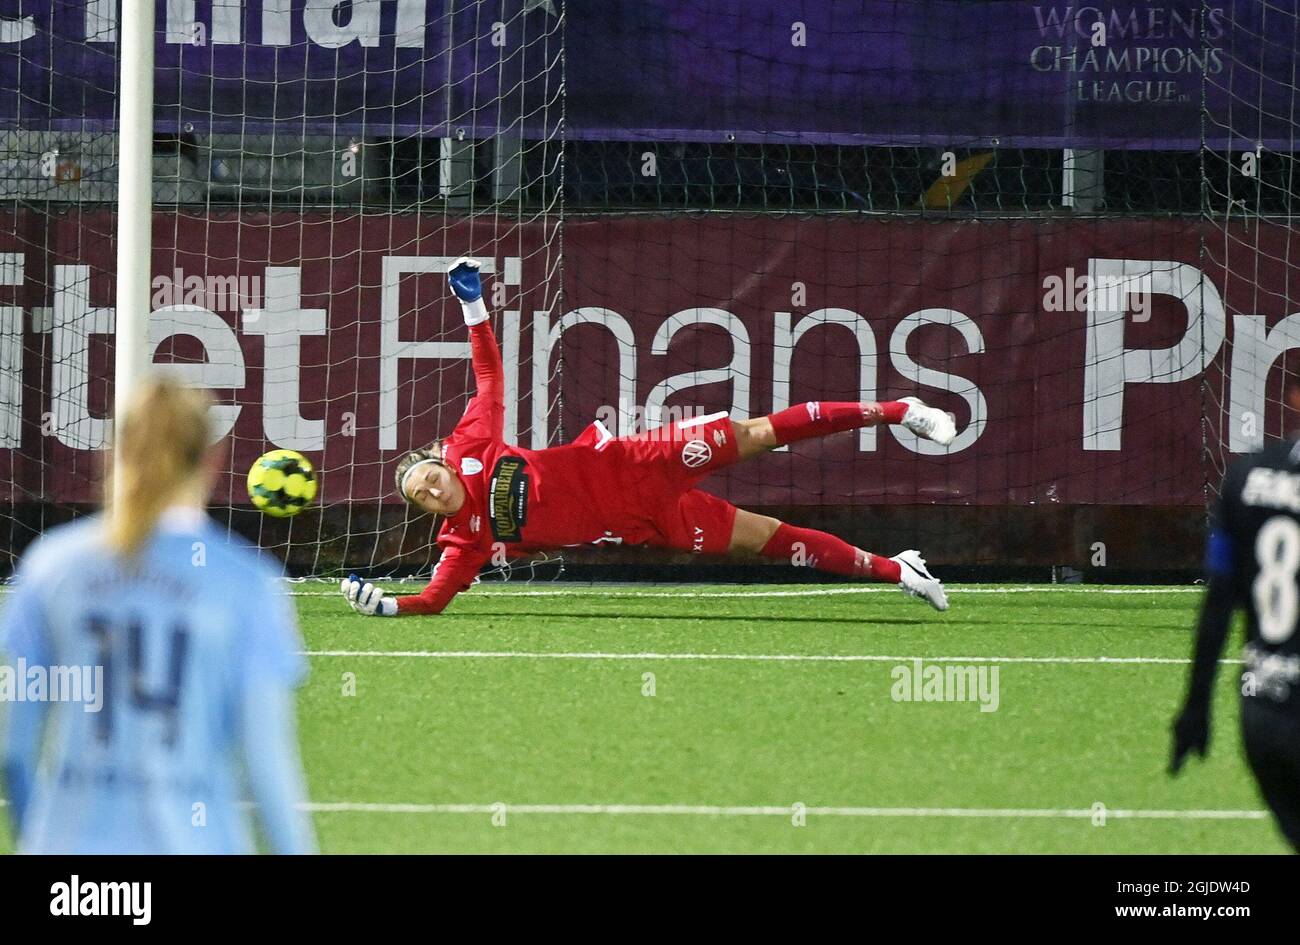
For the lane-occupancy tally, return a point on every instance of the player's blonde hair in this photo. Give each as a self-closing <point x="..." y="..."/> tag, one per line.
<point x="161" y="439"/>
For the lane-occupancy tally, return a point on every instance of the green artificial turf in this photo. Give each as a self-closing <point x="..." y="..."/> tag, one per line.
<point x="729" y="748"/>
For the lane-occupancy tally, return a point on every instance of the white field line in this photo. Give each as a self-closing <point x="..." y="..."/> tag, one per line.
<point x="750" y="657"/>
<point x="709" y="810"/>
<point x="675" y="593"/>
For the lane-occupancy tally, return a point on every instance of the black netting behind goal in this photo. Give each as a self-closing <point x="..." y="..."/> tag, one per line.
<point x="315" y="168"/>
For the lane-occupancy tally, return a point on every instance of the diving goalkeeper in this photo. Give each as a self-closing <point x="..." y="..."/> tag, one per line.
<point x="633" y="490"/>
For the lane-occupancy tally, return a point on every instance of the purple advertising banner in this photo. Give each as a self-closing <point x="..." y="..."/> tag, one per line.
<point x="1153" y="75"/>
<point x="996" y="72"/>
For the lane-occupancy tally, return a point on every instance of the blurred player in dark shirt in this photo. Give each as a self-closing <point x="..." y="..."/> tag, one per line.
<point x="1253" y="562"/>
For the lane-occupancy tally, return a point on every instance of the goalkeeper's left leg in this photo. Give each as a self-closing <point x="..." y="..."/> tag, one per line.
<point x="807" y="547"/>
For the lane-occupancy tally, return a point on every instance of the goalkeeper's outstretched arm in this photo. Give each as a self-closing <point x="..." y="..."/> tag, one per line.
<point x="485" y="415"/>
<point x="467" y="286"/>
<point x="454" y="572"/>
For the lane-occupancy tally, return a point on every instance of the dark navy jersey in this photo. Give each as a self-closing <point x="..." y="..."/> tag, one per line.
<point x="1255" y="542"/>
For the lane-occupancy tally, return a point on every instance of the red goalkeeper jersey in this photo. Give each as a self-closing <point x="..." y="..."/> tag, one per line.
<point x="633" y="490"/>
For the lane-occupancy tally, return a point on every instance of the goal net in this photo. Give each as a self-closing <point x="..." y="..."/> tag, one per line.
<point x="1069" y="225"/>
<point x="1250" y="201"/>
<point x="315" y="168"/>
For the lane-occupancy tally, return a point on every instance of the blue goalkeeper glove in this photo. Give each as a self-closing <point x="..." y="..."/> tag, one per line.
<point x="467" y="286"/>
<point x="464" y="278"/>
<point x="366" y="598"/>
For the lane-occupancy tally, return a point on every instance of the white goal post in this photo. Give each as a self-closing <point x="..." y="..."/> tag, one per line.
<point x="134" y="199"/>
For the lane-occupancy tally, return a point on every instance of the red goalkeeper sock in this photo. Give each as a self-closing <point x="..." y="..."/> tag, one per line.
<point x="806" y="547"/>
<point x="823" y="417"/>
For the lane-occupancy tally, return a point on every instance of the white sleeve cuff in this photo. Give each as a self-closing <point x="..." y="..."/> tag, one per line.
<point x="388" y="607"/>
<point x="475" y="312"/>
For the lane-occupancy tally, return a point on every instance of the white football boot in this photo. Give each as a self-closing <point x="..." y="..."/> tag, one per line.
<point x="917" y="581"/>
<point x="928" y="422"/>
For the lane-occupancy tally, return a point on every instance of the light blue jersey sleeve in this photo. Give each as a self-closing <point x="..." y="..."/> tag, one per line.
<point x="272" y="669"/>
<point x="23" y="636"/>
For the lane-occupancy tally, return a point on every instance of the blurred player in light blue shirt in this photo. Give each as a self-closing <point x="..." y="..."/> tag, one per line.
<point x="186" y="653"/>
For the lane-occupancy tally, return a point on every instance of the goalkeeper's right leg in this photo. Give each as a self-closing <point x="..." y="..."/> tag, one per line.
<point x="823" y="417"/>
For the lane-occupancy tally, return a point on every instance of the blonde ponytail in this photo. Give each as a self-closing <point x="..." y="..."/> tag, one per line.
<point x="161" y="439"/>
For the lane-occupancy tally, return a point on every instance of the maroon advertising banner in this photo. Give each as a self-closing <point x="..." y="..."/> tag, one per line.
<point x="1117" y="363"/>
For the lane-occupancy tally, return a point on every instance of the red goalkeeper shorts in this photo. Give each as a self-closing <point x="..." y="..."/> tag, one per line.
<point x="662" y="467"/>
